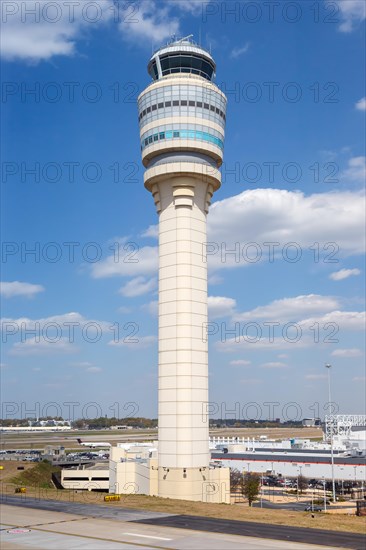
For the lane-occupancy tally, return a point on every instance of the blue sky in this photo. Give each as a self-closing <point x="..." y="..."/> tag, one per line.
<point x="291" y="206"/>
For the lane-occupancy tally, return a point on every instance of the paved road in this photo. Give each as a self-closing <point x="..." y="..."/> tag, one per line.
<point x="293" y="506"/>
<point x="90" y="510"/>
<point x="263" y="530"/>
<point x="142" y="518"/>
<point x="42" y="530"/>
<point x="297" y="506"/>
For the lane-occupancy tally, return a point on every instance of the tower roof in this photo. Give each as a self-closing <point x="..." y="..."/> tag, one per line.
<point x="182" y="56"/>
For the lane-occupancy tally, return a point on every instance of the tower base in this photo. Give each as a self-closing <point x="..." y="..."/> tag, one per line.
<point x="131" y="475"/>
<point x="211" y="484"/>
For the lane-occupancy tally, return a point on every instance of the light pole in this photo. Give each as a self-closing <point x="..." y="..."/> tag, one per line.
<point x="328" y="367"/>
<point x="325" y="495"/>
<point x="262" y="491"/>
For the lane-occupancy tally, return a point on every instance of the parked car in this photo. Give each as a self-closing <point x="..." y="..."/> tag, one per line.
<point x="313" y="509"/>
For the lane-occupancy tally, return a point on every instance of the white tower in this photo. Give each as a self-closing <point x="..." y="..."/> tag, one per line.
<point x="182" y="123"/>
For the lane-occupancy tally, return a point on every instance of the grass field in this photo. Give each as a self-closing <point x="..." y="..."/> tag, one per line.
<point x="37" y="476"/>
<point x="334" y="521"/>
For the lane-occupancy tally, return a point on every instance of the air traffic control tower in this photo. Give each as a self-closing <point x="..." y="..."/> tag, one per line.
<point x="182" y="117"/>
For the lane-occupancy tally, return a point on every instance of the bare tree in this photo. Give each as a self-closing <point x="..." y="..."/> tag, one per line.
<point x="235" y="479"/>
<point x="302" y="484"/>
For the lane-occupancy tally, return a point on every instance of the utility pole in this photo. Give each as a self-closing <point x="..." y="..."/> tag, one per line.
<point x="328" y="367"/>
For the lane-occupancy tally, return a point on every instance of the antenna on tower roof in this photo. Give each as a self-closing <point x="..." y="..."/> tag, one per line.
<point x="185" y="38"/>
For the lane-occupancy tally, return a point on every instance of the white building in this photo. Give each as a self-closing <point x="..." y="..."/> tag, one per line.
<point x="94" y="478"/>
<point x="133" y="469"/>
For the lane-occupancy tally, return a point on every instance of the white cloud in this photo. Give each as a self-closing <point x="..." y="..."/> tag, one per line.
<point x="274" y="365"/>
<point x="220" y="306"/>
<point x="124" y="310"/>
<point x="192" y="7"/>
<point x="135" y="342"/>
<point x="352" y="12"/>
<point x="152" y="231"/>
<point x="57" y="26"/>
<point x="61" y="322"/>
<point x="280" y="216"/>
<point x="240" y="362"/>
<point x="343" y="274"/>
<point x="93" y="369"/>
<point x="81" y="364"/>
<point x="88" y="367"/>
<point x="289" y="309"/>
<point x="152" y="21"/>
<point x="54" y="29"/>
<point x="340" y="320"/>
<point x="55" y="334"/>
<point x="138" y="286"/>
<point x="350" y="352"/>
<point x="359" y="379"/>
<point x="215" y="279"/>
<point x="263" y="216"/>
<point x="237" y="52"/>
<point x="34" y="346"/>
<point x="15" y="288"/>
<point x="361" y="104"/>
<point x="315" y="376"/>
<point x="134" y="261"/>
<point x="356" y="171"/>
<point x="152" y="308"/>
<point x="324" y="330"/>
<point x="251" y="381"/>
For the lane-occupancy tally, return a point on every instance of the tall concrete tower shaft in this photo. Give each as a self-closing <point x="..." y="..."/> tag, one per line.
<point x="182" y="117"/>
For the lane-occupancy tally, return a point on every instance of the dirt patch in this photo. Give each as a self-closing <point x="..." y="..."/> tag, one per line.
<point x="11" y="469"/>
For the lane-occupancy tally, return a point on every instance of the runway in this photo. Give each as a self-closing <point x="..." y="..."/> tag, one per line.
<point x="147" y="529"/>
<point x="30" y="529"/>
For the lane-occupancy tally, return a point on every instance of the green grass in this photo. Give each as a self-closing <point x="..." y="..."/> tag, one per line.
<point x="38" y="476"/>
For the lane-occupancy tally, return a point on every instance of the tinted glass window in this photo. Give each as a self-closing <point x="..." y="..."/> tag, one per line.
<point x="175" y="63"/>
<point x="153" y="71"/>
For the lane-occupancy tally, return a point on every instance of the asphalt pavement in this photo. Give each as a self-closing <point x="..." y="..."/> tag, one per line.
<point x="335" y="539"/>
<point x="132" y="517"/>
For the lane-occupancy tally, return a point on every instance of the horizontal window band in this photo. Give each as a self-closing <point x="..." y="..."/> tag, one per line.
<point x="187" y="103"/>
<point x="182" y="134"/>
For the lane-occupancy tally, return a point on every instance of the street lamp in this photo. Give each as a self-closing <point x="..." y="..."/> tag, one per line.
<point x="262" y="490"/>
<point x="327" y="366"/>
<point x="325" y="495"/>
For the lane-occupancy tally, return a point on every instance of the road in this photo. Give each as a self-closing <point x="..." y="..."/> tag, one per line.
<point x="71" y="526"/>
<point x="64" y="531"/>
